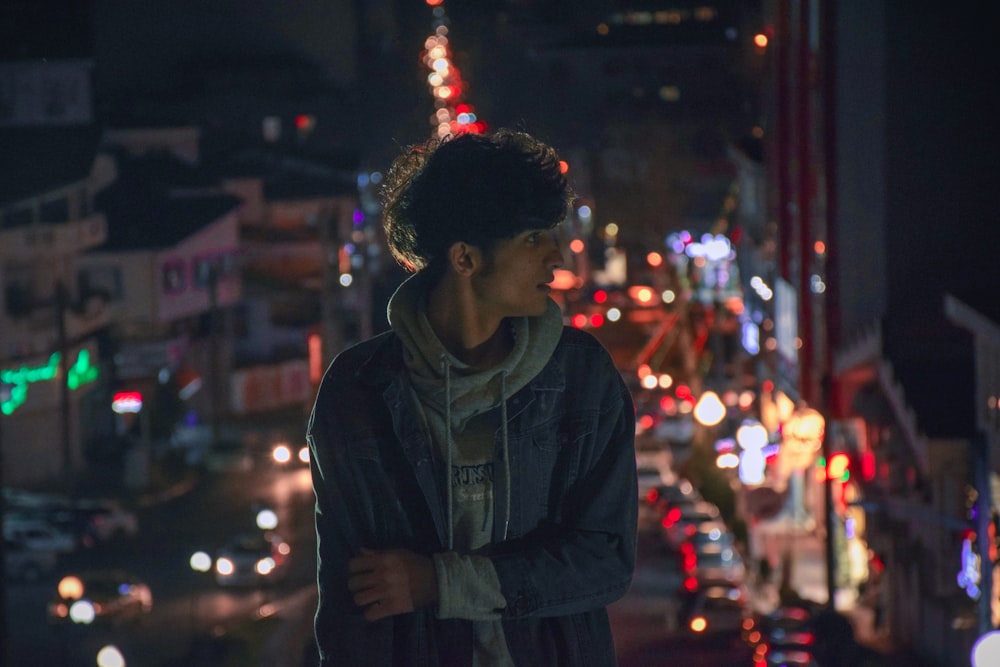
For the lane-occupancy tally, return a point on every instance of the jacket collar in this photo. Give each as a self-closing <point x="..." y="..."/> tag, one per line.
<point x="386" y="363"/>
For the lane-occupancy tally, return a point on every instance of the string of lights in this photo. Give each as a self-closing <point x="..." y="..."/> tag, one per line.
<point x="452" y="114"/>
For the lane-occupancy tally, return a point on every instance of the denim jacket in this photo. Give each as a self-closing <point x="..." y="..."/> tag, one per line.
<point x="570" y="546"/>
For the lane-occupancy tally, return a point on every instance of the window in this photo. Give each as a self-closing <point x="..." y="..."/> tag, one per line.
<point x="173" y="277"/>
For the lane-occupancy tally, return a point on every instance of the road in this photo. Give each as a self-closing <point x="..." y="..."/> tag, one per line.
<point x="192" y="617"/>
<point x="187" y="605"/>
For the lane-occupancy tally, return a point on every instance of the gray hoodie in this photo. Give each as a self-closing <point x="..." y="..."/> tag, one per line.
<point x="456" y="403"/>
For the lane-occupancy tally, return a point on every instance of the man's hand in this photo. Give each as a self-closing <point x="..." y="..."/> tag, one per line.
<point x="391" y="582"/>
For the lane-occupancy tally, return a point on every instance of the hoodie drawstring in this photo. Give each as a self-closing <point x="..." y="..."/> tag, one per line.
<point x="506" y="454"/>
<point x="446" y="371"/>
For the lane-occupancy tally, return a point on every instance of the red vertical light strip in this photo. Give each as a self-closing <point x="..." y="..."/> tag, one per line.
<point x="834" y="401"/>
<point x="806" y="200"/>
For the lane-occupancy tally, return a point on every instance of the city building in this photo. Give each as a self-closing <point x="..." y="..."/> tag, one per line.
<point x="879" y="182"/>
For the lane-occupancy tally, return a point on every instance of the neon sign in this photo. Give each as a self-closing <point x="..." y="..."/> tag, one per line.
<point x="78" y="374"/>
<point x="969" y="576"/>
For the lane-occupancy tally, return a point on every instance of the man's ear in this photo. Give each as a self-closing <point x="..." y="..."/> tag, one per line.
<point x="465" y="259"/>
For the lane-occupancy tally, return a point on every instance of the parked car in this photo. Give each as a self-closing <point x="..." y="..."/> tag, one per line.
<point x="37" y="534"/>
<point x="89" y="520"/>
<point x="22" y="563"/>
<point x="105" y="520"/>
<point x="787" y="636"/>
<point x="712" y="562"/>
<point x="716" y="612"/>
<point x="681" y="522"/>
<point x="658" y="499"/>
<point x="106" y="596"/>
<point x="653" y="469"/>
<point x="252" y="559"/>
<point x="710" y="532"/>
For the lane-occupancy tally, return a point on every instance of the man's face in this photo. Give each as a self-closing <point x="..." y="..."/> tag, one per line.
<point x="514" y="282"/>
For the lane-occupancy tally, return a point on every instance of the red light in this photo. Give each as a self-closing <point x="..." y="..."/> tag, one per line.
<point x="463" y="108"/>
<point x="691" y="584"/>
<point x="652" y="496"/>
<point x="600" y="296"/>
<point x="683" y="392"/>
<point x="646" y="422"/>
<point x="671" y="518"/>
<point x="868" y="466"/>
<point x="563" y="166"/>
<point x="579" y="320"/>
<point x="668" y="404"/>
<point x="767" y="386"/>
<point x="596" y="320"/>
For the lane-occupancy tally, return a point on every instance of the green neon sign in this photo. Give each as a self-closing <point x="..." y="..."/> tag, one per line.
<point x="80" y="373"/>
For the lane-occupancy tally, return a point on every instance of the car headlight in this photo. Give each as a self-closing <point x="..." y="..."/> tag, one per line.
<point x="265" y="566"/>
<point x="82" y="612"/>
<point x="224" y="566"/>
<point x="281" y="454"/>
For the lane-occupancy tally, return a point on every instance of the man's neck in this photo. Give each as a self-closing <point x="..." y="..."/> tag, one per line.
<point x="470" y="335"/>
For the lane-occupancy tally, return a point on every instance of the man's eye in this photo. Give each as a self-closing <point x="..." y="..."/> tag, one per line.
<point x="533" y="237"/>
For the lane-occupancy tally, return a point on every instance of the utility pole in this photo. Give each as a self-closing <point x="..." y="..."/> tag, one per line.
<point x="4" y="625"/>
<point x="831" y="517"/>
<point x="64" y="397"/>
<point x="981" y="480"/>
<point x="213" y="346"/>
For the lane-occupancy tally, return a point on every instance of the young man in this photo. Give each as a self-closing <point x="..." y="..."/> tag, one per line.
<point x="474" y="467"/>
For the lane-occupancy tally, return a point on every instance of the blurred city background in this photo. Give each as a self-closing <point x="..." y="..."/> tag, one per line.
<point x="786" y="234"/>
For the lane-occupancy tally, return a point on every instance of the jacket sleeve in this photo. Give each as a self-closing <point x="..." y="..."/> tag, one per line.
<point x="342" y="634"/>
<point x="584" y="558"/>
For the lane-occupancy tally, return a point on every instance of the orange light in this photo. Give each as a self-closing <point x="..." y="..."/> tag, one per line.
<point x="760" y="40"/>
<point x="434" y="3"/>
<point x="838" y="466"/>
<point x="576" y="245"/>
<point x="654" y="259"/>
<point x="70" y="588"/>
<point x="579" y="320"/>
<point x="563" y="166"/>
<point x="819" y="248"/>
<point x="315" y="346"/>
<point x="699" y="624"/>
<point x="641" y="293"/>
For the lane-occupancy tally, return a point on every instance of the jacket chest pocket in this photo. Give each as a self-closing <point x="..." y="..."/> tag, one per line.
<point x="550" y="465"/>
<point x="375" y="477"/>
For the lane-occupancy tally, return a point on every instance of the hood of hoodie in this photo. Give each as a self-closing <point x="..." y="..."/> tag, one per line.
<point x="472" y="391"/>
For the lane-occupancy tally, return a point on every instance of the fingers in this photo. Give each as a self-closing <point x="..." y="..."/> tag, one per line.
<point x="389" y="582"/>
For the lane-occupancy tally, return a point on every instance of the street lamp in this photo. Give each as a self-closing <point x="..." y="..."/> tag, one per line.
<point x="752" y="437"/>
<point x="110" y="656"/>
<point x="709" y="410"/>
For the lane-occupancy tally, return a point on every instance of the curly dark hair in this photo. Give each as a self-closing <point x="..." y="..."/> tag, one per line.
<point x="475" y="188"/>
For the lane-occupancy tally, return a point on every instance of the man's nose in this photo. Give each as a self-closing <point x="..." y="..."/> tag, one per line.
<point x="555" y="259"/>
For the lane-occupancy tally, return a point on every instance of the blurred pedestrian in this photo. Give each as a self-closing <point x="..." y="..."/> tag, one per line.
<point x="474" y="467"/>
